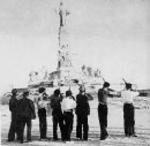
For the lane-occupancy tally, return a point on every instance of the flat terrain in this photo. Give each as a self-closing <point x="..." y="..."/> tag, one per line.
<point x="115" y="127"/>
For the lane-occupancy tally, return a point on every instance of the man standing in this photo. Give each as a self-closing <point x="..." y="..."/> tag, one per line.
<point x="128" y="109"/>
<point x="68" y="104"/>
<point x="42" y="105"/>
<point x="57" y="114"/>
<point x="82" y="112"/>
<point x="13" y="110"/>
<point x="103" y="109"/>
<point x="25" y="111"/>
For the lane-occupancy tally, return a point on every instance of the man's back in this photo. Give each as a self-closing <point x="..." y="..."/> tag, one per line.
<point x="128" y="95"/>
<point x="68" y="103"/>
<point x="55" y="104"/>
<point x="25" y="107"/>
<point x="102" y="96"/>
<point x="13" y="104"/>
<point x="82" y="104"/>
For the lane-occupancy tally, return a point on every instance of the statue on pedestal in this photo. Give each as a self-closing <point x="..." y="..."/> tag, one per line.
<point x="63" y="15"/>
<point x="63" y="52"/>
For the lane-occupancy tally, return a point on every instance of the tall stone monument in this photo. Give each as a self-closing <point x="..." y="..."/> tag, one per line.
<point x="64" y="64"/>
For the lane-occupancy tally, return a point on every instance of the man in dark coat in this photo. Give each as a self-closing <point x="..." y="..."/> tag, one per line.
<point x="56" y="98"/>
<point x="13" y="110"/>
<point x="82" y="112"/>
<point x="26" y="110"/>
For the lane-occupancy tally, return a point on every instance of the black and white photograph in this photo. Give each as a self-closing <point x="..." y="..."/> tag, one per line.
<point x="75" y="72"/>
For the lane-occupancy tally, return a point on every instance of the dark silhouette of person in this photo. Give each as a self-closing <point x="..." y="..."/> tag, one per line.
<point x="25" y="111"/>
<point x="57" y="115"/>
<point x="82" y="112"/>
<point x="13" y="109"/>
<point x="103" y="109"/>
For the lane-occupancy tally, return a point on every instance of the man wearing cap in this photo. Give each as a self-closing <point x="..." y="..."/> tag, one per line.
<point x="13" y="110"/>
<point x="25" y="111"/>
<point x="82" y="112"/>
<point x="128" y="96"/>
<point x="103" y="109"/>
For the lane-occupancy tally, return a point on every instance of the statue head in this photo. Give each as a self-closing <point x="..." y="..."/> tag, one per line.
<point x="61" y="3"/>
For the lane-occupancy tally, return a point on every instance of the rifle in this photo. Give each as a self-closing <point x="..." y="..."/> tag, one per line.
<point x="124" y="81"/>
<point x="103" y="79"/>
<point x="129" y="83"/>
<point x="109" y="89"/>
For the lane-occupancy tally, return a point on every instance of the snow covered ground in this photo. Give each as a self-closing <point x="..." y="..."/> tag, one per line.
<point x="115" y="127"/>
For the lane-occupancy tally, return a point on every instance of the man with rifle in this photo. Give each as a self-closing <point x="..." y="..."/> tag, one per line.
<point x="128" y="96"/>
<point x="103" y="94"/>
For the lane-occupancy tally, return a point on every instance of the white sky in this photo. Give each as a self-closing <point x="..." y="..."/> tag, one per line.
<point x="112" y="35"/>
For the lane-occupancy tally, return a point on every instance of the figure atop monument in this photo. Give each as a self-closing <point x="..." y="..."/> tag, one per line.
<point x="63" y="14"/>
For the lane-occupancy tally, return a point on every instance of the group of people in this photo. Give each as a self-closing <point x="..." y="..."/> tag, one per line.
<point x="127" y="95"/>
<point x="63" y="109"/>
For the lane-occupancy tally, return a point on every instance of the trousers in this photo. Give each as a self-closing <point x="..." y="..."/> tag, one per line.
<point x="68" y="126"/>
<point x="129" y="122"/>
<point x="42" y="123"/>
<point x="58" y="119"/>
<point x="82" y="122"/>
<point x="102" y="115"/>
<point x="22" y="122"/>
<point x="13" y="128"/>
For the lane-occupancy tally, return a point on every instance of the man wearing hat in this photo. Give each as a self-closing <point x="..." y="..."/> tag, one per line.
<point x="25" y="111"/>
<point x="103" y="109"/>
<point x="82" y="112"/>
<point x="128" y="96"/>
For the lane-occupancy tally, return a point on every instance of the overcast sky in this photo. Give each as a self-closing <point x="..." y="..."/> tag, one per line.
<point x="111" y="35"/>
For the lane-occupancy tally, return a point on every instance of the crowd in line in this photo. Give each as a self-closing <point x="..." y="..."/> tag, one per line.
<point x="63" y="109"/>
